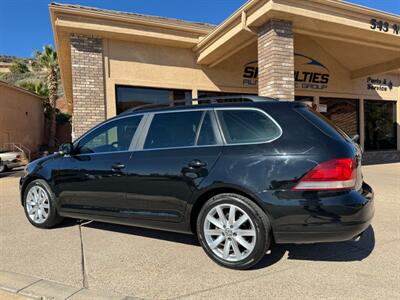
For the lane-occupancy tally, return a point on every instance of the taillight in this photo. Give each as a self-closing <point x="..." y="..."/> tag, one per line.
<point x="18" y="157"/>
<point x="335" y="174"/>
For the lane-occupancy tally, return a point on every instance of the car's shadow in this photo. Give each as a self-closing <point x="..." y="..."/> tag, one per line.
<point x="338" y="252"/>
<point x="334" y="252"/>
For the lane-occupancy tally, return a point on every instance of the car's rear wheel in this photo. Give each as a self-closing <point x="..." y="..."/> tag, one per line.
<point x="234" y="231"/>
<point x="39" y="205"/>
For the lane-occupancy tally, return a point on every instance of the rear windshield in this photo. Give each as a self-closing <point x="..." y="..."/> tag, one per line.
<point x="322" y="122"/>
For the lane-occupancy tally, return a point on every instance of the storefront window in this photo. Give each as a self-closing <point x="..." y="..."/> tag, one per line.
<point x="308" y="100"/>
<point x="130" y="97"/>
<point x="344" y="113"/>
<point x="206" y="94"/>
<point x="380" y="125"/>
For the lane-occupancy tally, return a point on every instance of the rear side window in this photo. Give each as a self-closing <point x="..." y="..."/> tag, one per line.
<point x="247" y="126"/>
<point x="322" y="123"/>
<point x="170" y="130"/>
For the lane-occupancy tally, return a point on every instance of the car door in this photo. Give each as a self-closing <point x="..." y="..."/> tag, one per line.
<point x="176" y="152"/>
<point x="93" y="179"/>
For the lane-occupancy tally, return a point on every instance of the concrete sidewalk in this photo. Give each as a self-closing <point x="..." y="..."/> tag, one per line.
<point x="153" y="264"/>
<point x="25" y="286"/>
<point x="11" y="296"/>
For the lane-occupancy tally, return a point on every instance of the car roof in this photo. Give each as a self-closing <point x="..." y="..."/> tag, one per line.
<point x="219" y="102"/>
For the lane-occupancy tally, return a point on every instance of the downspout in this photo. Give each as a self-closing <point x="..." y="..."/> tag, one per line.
<point x="244" y="23"/>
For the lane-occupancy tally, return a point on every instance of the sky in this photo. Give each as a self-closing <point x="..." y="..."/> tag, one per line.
<point x="25" y="24"/>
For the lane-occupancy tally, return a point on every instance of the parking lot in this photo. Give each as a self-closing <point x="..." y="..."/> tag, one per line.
<point x="153" y="264"/>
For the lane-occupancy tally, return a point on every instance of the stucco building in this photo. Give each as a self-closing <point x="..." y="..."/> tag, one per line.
<point x="5" y="67"/>
<point x="342" y="57"/>
<point x="21" y="118"/>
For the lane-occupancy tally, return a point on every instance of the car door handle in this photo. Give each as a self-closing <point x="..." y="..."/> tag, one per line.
<point x="117" y="166"/>
<point x="195" y="163"/>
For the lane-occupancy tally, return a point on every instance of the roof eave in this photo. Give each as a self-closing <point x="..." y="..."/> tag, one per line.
<point x="200" y="29"/>
<point x="257" y="12"/>
<point x="66" y="20"/>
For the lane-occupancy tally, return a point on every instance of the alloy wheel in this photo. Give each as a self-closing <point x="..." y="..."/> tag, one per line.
<point x="37" y="204"/>
<point x="229" y="232"/>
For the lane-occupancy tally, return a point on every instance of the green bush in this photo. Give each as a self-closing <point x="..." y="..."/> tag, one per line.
<point x="19" y="67"/>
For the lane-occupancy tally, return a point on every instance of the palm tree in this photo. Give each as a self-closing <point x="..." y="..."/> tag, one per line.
<point x="47" y="62"/>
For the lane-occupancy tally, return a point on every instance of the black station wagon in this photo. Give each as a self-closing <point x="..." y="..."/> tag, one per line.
<point x="239" y="173"/>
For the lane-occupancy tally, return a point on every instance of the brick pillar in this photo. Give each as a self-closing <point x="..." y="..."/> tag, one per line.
<point x="276" y="60"/>
<point x="87" y="83"/>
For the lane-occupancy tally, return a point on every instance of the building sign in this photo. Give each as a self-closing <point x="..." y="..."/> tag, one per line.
<point x="385" y="26"/>
<point x="250" y="74"/>
<point x="313" y="74"/>
<point x="377" y="84"/>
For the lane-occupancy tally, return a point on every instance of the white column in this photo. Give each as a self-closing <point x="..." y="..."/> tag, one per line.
<point x="316" y="102"/>
<point x="194" y="96"/>
<point x="397" y="108"/>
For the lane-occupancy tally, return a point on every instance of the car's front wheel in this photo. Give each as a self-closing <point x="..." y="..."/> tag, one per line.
<point x="3" y="168"/>
<point x="234" y="231"/>
<point x="39" y="205"/>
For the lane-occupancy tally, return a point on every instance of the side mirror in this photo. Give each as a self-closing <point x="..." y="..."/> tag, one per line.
<point x="66" y="149"/>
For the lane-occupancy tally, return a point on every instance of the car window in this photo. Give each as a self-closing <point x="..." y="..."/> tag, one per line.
<point x="114" y="136"/>
<point x="322" y="122"/>
<point x="206" y="134"/>
<point x="247" y="126"/>
<point x="169" y="130"/>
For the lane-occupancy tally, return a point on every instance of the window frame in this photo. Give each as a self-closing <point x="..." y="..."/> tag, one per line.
<point x="215" y="128"/>
<point x="217" y="133"/>
<point x="133" y="142"/>
<point x="139" y="138"/>
<point x="248" y="109"/>
<point x="221" y="141"/>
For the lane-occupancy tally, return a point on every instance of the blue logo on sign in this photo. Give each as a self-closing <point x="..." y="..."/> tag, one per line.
<point x="311" y="61"/>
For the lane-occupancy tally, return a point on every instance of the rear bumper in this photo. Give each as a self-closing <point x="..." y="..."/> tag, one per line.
<point x="323" y="218"/>
<point x="337" y="233"/>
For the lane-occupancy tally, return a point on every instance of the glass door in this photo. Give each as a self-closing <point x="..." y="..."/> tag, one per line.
<point x="344" y="113"/>
<point x="380" y="125"/>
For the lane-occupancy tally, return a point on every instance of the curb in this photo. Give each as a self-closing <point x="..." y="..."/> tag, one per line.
<point x="41" y="289"/>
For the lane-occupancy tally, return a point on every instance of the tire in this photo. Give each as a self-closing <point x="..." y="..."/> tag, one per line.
<point x="254" y="232"/>
<point x="3" y="168"/>
<point x="39" y="194"/>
